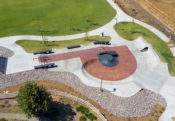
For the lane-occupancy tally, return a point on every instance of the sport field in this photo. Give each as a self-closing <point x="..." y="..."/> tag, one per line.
<point x="55" y="17"/>
<point x="34" y="45"/>
<point x="131" y="31"/>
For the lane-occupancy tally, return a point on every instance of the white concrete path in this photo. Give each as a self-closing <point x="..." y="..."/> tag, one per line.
<point x="151" y="73"/>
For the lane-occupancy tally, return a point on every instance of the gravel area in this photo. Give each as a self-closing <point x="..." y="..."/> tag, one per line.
<point x="139" y="105"/>
<point x="5" y="52"/>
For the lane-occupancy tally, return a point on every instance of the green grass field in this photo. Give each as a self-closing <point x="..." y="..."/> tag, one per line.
<point x="55" y="17"/>
<point x="34" y="45"/>
<point x="132" y="31"/>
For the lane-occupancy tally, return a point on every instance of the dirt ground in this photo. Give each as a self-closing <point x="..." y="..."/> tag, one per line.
<point x="68" y="107"/>
<point x="51" y="85"/>
<point x="167" y="6"/>
<point x="134" y="9"/>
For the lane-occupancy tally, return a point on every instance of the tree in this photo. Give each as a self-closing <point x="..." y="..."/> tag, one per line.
<point x="3" y="119"/>
<point x="34" y="100"/>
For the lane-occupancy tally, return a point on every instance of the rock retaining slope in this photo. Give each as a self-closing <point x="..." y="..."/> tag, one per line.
<point x="139" y="105"/>
<point x="5" y="52"/>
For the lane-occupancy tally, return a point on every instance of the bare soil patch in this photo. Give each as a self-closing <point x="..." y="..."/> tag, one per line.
<point x="166" y="6"/>
<point x="134" y="9"/>
<point x="67" y="108"/>
<point x="51" y="85"/>
<point x="9" y="106"/>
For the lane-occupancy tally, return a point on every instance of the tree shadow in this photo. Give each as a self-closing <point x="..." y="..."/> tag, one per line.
<point x="66" y="113"/>
<point x="59" y="112"/>
<point x="96" y="24"/>
<point x="74" y="29"/>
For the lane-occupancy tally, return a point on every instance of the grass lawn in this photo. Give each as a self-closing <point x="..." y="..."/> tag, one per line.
<point x="34" y="45"/>
<point x="132" y="31"/>
<point x="55" y="17"/>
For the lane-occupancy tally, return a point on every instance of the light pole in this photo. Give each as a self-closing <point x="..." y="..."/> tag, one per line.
<point x="101" y="89"/>
<point x="41" y="31"/>
<point x="116" y="19"/>
<point x="170" y="37"/>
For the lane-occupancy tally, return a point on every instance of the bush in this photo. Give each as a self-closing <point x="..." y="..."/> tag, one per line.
<point x="82" y="109"/>
<point x="3" y="119"/>
<point x="78" y="109"/>
<point x="2" y="106"/>
<point x="34" y="100"/>
<point x="82" y="118"/>
<point x="91" y="116"/>
<point x="85" y="111"/>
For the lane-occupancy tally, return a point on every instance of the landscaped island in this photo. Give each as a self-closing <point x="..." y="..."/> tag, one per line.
<point x="35" y="45"/>
<point x="131" y="31"/>
<point x="54" y="17"/>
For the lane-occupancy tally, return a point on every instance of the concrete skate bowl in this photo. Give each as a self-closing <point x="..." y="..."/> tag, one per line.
<point x="5" y="53"/>
<point x="3" y="65"/>
<point x="126" y="67"/>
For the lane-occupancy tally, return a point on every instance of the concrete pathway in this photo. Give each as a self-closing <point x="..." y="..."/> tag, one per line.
<point x="168" y="91"/>
<point x="151" y="73"/>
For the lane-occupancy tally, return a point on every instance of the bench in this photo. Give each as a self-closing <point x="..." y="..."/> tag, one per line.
<point x="44" y="66"/>
<point x="43" y="52"/>
<point x="102" y="42"/>
<point x="74" y="46"/>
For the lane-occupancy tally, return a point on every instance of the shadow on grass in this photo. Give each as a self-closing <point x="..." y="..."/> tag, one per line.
<point x="96" y="24"/>
<point x="76" y="29"/>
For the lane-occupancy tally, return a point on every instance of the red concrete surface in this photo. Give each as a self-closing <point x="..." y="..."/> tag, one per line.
<point x="126" y="67"/>
<point x="173" y="118"/>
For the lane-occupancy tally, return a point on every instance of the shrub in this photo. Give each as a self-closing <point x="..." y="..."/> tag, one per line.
<point x="82" y="109"/>
<point x="91" y="116"/>
<point x="2" y="106"/>
<point x="85" y="111"/>
<point x="8" y="106"/>
<point x="82" y="118"/>
<point x="156" y="119"/>
<point x="3" y="119"/>
<point x="78" y="109"/>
